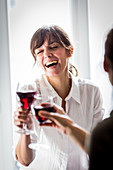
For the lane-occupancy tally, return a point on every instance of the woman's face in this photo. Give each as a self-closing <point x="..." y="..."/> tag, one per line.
<point x="52" y="57"/>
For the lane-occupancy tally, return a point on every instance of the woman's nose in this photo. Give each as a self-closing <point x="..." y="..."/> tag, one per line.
<point x="47" y="53"/>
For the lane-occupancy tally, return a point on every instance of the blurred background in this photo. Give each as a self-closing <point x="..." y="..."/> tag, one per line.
<point x="85" y="21"/>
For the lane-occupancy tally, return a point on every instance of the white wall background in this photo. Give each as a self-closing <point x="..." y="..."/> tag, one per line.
<point x="80" y="32"/>
<point x="6" y="159"/>
<point x="100" y="18"/>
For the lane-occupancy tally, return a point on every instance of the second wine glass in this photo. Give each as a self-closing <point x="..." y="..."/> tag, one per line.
<point x="40" y="104"/>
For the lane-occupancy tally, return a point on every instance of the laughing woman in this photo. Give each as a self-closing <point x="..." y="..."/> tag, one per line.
<point x="81" y="99"/>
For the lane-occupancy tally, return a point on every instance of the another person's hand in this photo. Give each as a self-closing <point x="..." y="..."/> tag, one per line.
<point x="22" y="116"/>
<point x="59" y="119"/>
<point x="62" y="122"/>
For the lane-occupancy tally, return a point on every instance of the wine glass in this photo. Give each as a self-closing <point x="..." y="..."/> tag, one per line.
<point x="25" y="96"/>
<point x="41" y="103"/>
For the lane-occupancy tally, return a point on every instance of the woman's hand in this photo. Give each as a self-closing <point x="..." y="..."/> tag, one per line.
<point x="59" y="119"/>
<point x="21" y="116"/>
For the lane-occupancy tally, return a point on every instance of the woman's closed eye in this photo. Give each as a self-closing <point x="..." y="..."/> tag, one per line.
<point x="53" y="47"/>
<point x="39" y="52"/>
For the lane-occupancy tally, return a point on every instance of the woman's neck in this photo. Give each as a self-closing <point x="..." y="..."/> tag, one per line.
<point x="61" y="84"/>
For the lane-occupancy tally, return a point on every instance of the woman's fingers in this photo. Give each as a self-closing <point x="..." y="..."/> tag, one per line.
<point x="51" y="115"/>
<point x="59" y="109"/>
<point x="22" y="116"/>
<point x="56" y="107"/>
<point x="45" y="114"/>
<point x="59" y="119"/>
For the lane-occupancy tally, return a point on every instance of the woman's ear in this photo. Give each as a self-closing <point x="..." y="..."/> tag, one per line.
<point x="105" y="64"/>
<point x="70" y="52"/>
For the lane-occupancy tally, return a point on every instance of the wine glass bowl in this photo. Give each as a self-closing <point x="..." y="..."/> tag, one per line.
<point x="46" y="107"/>
<point x="25" y="97"/>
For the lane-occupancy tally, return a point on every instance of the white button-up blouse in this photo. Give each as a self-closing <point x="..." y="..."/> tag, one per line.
<point x="84" y="106"/>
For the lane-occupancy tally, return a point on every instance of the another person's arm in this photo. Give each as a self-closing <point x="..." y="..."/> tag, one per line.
<point x="63" y="123"/>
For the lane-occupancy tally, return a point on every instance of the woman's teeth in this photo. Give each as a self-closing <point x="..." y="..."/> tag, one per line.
<point x="50" y="64"/>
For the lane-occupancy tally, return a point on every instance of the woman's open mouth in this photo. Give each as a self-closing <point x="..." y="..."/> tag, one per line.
<point x="51" y="64"/>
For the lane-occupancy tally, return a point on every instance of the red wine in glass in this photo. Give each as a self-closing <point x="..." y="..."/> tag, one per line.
<point x="45" y="107"/>
<point x="26" y="98"/>
<point x="42" y="102"/>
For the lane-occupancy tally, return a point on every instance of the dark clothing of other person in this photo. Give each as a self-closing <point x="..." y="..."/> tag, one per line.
<point x="101" y="148"/>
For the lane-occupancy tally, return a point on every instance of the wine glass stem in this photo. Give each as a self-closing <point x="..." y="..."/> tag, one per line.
<point x="24" y="126"/>
<point x="39" y="131"/>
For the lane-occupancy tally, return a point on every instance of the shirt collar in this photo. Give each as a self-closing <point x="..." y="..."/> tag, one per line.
<point x="47" y="89"/>
<point x="75" y="91"/>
